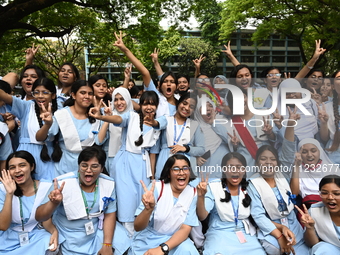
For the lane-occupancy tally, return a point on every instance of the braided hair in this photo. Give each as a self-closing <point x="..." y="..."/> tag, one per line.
<point x="148" y="97"/>
<point x="244" y="183"/>
<point x="336" y="140"/>
<point x="49" y="85"/>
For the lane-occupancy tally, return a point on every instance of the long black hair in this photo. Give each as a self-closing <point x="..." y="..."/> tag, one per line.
<point x="49" y="85"/>
<point x="244" y="183"/>
<point x="148" y="97"/>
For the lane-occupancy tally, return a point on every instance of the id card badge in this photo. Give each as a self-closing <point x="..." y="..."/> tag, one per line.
<point x="240" y="236"/>
<point x="284" y="221"/>
<point x="23" y="238"/>
<point x="89" y="229"/>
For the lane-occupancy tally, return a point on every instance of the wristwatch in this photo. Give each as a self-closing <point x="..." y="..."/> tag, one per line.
<point x="187" y="148"/>
<point x="165" y="248"/>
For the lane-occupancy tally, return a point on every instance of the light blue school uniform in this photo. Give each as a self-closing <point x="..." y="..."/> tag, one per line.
<point x="221" y="237"/>
<point x="196" y="145"/>
<point x="323" y="247"/>
<point x="129" y="169"/>
<point x="260" y="215"/>
<point x="69" y="159"/>
<point x="44" y="170"/>
<point x="6" y="146"/>
<point x="39" y="239"/>
<point x="149" y="238"/>
<point x="76" y="240"/>
<point x="152" y="87"/>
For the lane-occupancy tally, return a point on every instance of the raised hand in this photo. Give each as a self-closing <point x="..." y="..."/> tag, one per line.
<point x="293" y="115"/>
<point x="148" y="198"/>
<point x="316" y="97"/>
<point x="110" y="90"/>
<point x="30" y="52"/>
<point x="149" y="119"/>
<point x="318" y="50"/>
<point x="202" y="186"/>
<point x="107" y="108"/>
<point x="95" y="111"/>
<point x="277" y="118"/>
<point x="128" y="71"/>
<point x="227" y="50"/>
<point x="298" y="158"/>
<point x="154" y="55"/>
<point x="287" y="75"/>
<point x="234" y="138"/>
<point x="306" y="219"/>
<point x="197" y="61"/>
<point x="46" y="115"/>
<point x="56" y="195"/>
<point x="8" y="182"/>
<point x="119" y="43"/>
<point x="267" y="127"/>
<point x="322" y="114"/>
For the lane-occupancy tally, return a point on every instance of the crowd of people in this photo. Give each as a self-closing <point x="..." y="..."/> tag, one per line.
<point x="169" y="168"/>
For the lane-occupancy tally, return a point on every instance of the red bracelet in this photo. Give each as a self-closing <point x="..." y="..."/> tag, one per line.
<point x="279" y="237"/>
<point x="107" y="244"/>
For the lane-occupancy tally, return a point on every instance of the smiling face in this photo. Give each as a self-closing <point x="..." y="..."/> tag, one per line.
<point x="20" y="170"/>
<point x="183" y="84"/>
<point x="119" y="103"/>
<point x="243" y="78"/>
<point x="327" y="87"/>
<point x="336" y="83"/>
<point x="89" y="172"/>
<point x="83" y="97"/>
<point x="43" y="96"/>
<point x="168" y="87"/>
<point x="148" y="108"/>
<point x="267" y="162"/>
<point x="100" y="88"/>
<point x="234" y="172"/>
<point x="314" y="81"/>
<point x="66" y="76"/>
<point x="179" y="179"/>
<point x="186" y="108"/>
<point x="29" y="77"/>
<point x="310" y="154"/>
<point x="330" y="195"/>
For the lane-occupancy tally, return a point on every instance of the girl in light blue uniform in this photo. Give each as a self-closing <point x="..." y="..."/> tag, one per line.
<point x="73" y="127"/>
<point x="132" y="163"/>
<point x="272" y="204"/>
<point x="166" y="227"/>
<point x="23" y="235"/>
<point x="228" y="203"/>
<point x="29" y="113"/>
<point x="176" y="135"/>
<point x="322" y="233"/>
<point x="85" y="210"/>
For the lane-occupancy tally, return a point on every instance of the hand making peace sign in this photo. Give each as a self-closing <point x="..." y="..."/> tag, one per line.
<point x="148" y="197"/>
<point x="56" y="195"/>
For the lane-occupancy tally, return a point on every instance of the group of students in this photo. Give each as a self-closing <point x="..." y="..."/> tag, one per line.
<point x="240" y="181"/>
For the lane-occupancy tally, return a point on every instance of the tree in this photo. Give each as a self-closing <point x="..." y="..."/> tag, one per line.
<point x="303" y="21"/>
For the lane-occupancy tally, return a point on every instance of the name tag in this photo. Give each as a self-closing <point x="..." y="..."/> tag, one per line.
<point x="89" y="229"/>
<point x="23" y="238"/>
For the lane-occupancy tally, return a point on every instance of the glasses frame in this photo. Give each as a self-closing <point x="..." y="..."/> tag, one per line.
<point x="83" y="169"/>
<point x="178" y="170"/>
<point x="38" y="93"/>
<point x="326" y="196"/>
<point x="274" y="75"/>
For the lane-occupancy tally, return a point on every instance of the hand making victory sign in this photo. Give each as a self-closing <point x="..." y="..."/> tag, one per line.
<point x="148" y="198"/>
<point x="56" y="195"/>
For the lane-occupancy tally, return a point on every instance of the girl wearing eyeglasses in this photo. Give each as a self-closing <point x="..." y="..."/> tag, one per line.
<point x="228" y="203"/>
<point x="167" y="212"/>
<point x="322" y="220"/>
<point x="35" y="116"/>
<point x="83" y="205"/>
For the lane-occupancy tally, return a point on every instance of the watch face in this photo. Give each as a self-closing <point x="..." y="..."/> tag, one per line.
<point x="165" y="247"/>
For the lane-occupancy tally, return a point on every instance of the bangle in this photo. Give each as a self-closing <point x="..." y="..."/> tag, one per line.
<point x="279" y="236"/>
<point x="107" y="244"/>
<point x="310" y="67"/>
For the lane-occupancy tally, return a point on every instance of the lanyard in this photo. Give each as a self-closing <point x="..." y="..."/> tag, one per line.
<point x="21" y="210"/>
<point x="176" y="139"/>
<point x="235" y="210"/>
<point x="94" y="201"/>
